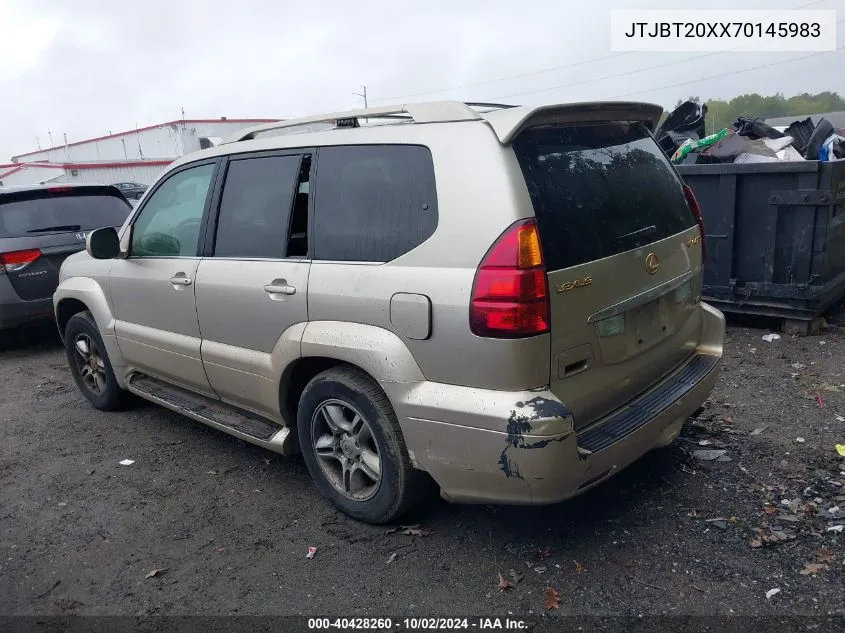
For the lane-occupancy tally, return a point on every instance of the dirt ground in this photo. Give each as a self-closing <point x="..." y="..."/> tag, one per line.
<point x="231" y="524"/>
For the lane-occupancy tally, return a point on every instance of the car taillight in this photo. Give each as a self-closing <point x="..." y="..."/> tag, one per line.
<point x="696" y="210"/>
<point x="510" y="294"/>
<point x="18" y="260"/>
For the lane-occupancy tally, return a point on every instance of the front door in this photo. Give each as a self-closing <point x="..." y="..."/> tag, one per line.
<point x="152" y="290"/>
<point x="252" y="284"/>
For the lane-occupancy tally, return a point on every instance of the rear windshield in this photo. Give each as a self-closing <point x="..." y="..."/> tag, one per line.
<point x="599" y="190"/>
<point x="25" y="215"/>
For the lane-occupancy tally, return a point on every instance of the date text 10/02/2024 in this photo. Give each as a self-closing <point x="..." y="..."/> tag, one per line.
<point x="417" y="624"/>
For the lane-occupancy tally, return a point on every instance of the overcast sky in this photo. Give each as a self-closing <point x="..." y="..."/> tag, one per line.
<point x="90" y="66"/>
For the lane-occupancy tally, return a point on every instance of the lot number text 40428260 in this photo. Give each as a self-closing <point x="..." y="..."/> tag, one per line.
<point x="417" y="624"/>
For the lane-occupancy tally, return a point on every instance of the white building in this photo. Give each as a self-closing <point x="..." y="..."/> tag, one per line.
<point x="136" y="155"/>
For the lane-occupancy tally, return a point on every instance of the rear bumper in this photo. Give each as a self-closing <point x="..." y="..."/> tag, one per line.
<point x="15" y="311"/>
<point x="485" y="446"/>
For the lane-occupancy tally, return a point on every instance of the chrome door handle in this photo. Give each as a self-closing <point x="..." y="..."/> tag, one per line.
<point x="279" y="289"/>
<point x="181" y="281"/>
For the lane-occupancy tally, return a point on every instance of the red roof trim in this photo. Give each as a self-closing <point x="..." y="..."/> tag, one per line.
<point x="142" y="129"/>
<point x="8" y="173"/>
<point x="133" y="163"/>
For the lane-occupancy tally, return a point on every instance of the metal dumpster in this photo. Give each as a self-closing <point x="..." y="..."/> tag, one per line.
<point x="775" y="237"/>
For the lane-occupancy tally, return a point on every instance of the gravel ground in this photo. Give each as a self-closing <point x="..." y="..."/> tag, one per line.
<point x="230" y="523"/>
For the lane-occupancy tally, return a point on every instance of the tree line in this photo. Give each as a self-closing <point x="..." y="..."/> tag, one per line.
<point x="721" y="114"/>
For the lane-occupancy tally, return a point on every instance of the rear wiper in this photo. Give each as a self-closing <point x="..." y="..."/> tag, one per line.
<point x="61" y="227"/>
<point x="645" y="229"/>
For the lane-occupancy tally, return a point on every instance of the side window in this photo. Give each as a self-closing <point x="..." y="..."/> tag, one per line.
<point x="255" y="207"/>
<point x="169" y="224"/>
<point x="374" y="202"/>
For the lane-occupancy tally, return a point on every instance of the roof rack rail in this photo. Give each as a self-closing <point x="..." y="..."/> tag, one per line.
<point x="428" y="112"/>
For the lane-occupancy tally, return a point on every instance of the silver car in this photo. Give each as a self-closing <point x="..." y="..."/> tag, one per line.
<point x="502" y="300"/>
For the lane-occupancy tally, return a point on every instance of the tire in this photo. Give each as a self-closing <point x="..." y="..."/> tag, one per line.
<point x="344" y="393"/>
<point x="99" y="387"/>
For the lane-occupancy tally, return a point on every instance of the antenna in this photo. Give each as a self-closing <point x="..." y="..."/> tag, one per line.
<point x="50" y="134"/>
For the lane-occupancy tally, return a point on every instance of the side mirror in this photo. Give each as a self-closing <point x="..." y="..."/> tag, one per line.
<point x="103" y="243"/>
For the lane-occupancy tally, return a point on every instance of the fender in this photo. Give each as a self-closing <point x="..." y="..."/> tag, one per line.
<point x="377" y="351"/>
<point x="89" y="292"/>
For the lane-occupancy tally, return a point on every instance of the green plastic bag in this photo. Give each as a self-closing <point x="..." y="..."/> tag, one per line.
<point x="689" y="145"/>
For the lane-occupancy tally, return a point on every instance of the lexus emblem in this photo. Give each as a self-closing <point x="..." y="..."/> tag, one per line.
<point x="652" y="264"/>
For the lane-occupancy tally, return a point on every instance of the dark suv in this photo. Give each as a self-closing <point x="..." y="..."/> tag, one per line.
<point x="40" y="225"/>
<point x="131" y="189"/>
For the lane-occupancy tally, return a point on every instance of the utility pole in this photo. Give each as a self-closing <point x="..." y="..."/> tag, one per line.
<point x="363" y="95"/>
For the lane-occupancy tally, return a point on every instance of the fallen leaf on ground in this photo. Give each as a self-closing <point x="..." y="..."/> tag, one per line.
<point x="157" y="572"/>
<point x="770" y="509"/>
<point x="220" y="550"/>
<point x="552" y="599"/>
<point x="579" y="568"/>
<point x="839" y="418"/>
<point x="825" y="556"/>
<point x="543" y="553"/>
<point x="391" y="558"/>
<point x="819" y="400"/>
<point x="758" y="430"/>
<point x="311" y="552"/>
<point x="504" y="583"/>
<point x="415" y="530"/>
<point x="211" y="472"/>
<point x="840" y="448"/>
<point x="755" y="543"/>
<point x="813" y="569"/>
<point x="772" y="592"/>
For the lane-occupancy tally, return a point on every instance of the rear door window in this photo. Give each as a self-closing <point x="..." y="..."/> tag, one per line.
<point x="599" y="190"/>
<point x="255" y="207"/>
<point x="373" y="203"/>
<point x="43" y="212"/>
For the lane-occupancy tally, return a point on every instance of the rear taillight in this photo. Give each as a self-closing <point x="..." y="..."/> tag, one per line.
<point x="696" y="210"/>
<point x="510" y="294"/>
<point x="18" y="260"/>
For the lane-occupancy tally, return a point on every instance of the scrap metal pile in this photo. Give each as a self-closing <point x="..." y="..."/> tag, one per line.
<point x="749" y="140"/>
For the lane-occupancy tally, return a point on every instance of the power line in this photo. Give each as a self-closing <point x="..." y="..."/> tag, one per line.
<point x="728" y="74"/>
<point x="508" y="78"/>
<point x="566" y="66"/>
<point x="635" y="71"/>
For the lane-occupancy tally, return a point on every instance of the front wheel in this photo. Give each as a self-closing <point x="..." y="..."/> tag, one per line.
<point x="353" y="447"/>
<point x="89" y="364"/>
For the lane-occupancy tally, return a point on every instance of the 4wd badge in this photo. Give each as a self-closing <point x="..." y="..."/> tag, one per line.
<point x="81" y="236"/>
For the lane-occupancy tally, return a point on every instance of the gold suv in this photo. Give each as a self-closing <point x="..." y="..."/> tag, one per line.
<point x="505" y="300"/>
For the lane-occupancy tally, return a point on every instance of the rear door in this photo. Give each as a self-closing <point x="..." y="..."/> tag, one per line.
<point x="39" y="228"/>
<point x="623" y="261"/>
<point x="252" y="284"/>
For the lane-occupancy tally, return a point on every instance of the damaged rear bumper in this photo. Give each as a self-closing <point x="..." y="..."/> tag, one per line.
<point x="485" y="446"/>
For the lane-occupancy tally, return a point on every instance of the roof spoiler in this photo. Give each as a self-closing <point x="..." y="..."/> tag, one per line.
<point x="508" y="123"/>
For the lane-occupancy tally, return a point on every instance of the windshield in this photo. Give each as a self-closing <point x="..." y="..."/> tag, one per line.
<point x="51" y="213"/>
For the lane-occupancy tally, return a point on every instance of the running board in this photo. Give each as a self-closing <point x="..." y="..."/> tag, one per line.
<point x="233" y="420"/>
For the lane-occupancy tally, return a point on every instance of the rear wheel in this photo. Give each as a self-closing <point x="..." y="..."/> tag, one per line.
<point x="89" y="364"/>
<point x="353" y="447"/>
